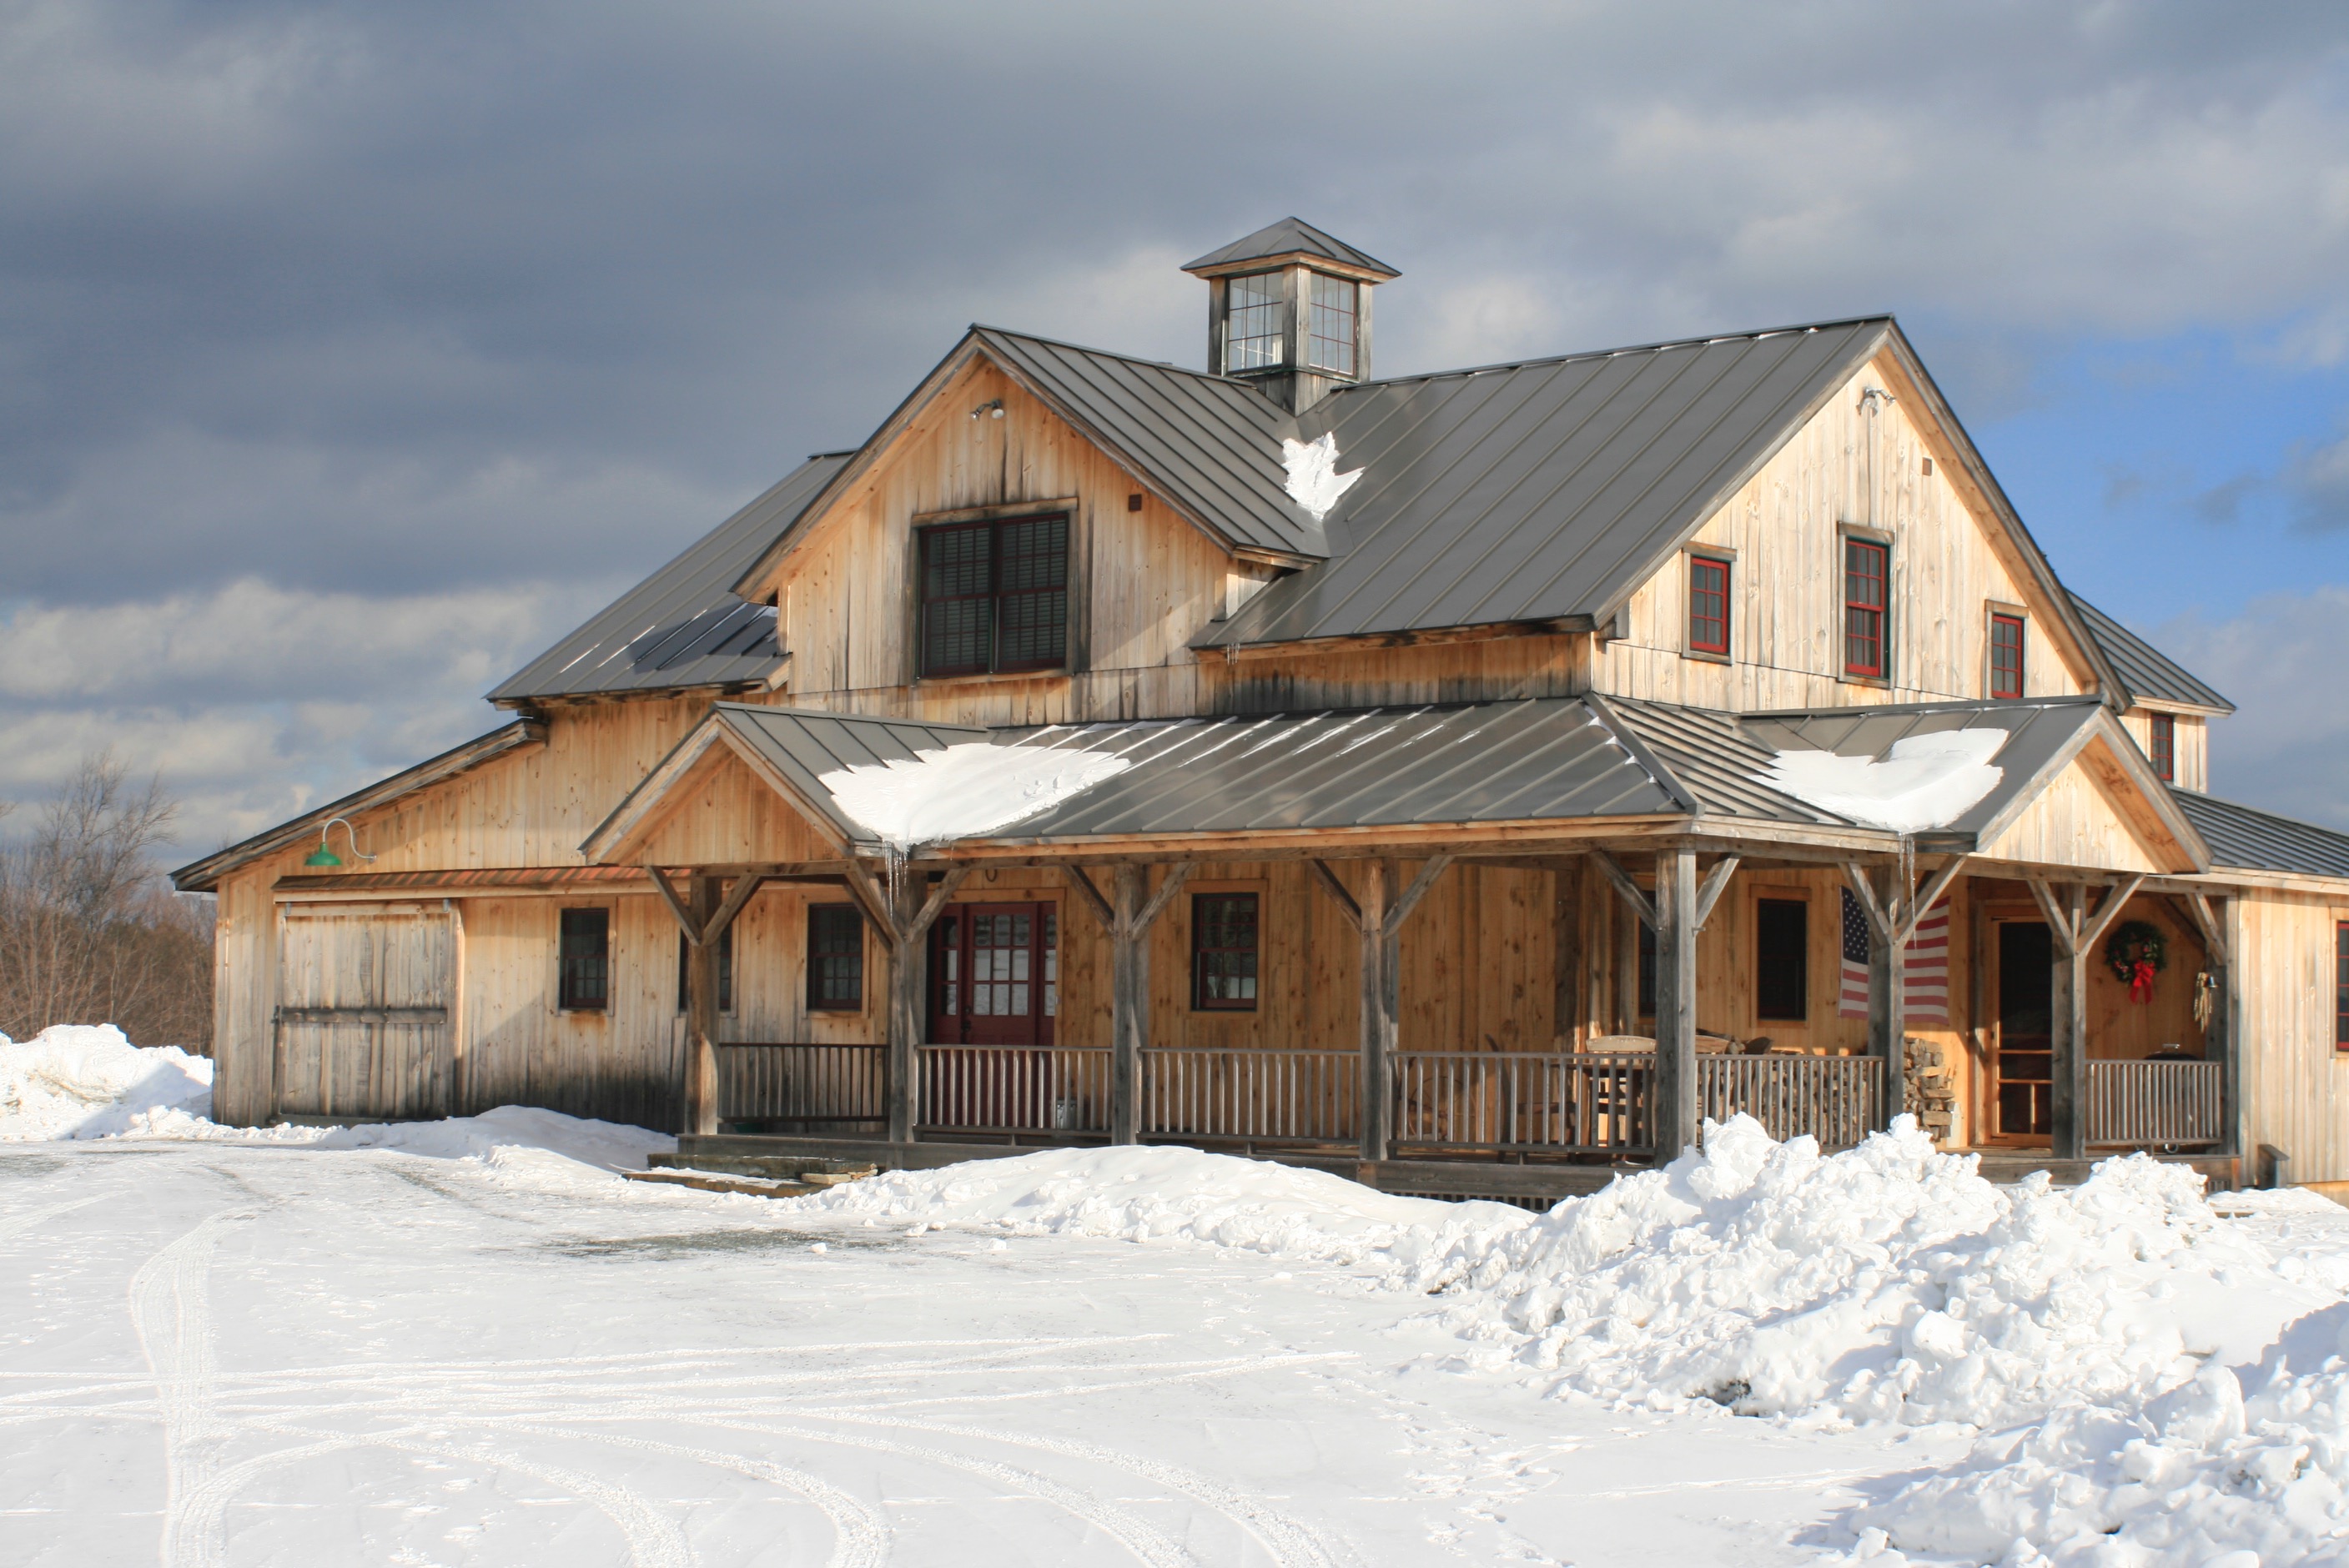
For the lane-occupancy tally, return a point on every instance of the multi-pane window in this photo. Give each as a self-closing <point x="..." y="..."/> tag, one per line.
<point x="835" y="958"/>
<point x="583" y="961"/>
<point x="995" y="595"/>
<point x="1708" y="629"/>
<point x="2006" y="655"/>
<point x="725" y="971"/>
<point x="1782" y="958"/>
<point x="2165" y="746"/>
<point x="2341" y="987"/>
<point x="1329" y="325"/>
<point x="1256" y="324"/>
<point x="1223" y="952"/>
<point x="1864" y="580"/>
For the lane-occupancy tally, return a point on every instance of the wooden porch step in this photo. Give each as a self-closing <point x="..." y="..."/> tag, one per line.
<point x="717" y="1181"/>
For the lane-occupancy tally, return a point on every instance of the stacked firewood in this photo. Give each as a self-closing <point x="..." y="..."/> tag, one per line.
<point x="1930" y="1089"/>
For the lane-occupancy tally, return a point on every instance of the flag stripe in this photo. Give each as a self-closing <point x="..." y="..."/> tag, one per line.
<point x="1925" y="986"/>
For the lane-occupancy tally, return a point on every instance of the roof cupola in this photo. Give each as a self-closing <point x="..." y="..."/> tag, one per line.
<point x="1288" y="308"/>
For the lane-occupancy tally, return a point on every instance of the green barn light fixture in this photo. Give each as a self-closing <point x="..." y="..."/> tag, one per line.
<point x="325" y="857"/>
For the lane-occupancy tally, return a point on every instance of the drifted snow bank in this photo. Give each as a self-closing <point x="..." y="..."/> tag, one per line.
<point x="514" y="1140"/>
<point x="2235" y="1468"/>
<point x="1165" y="1192"/>
<point x="1886" y="1282"/>
<point x="78" y="1080"/>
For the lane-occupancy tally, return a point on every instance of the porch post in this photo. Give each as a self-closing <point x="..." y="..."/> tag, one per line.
<point x="1627" y="974"/>
<point x="1676" y="921"/>
<point x="2068" y="1115"/>
<point x="2224" y="1039"/>
<point x="701" y="1007"/>
<point x="907" y="974"/>
<point x="1379" y="990"/>
<point x="1887" y="998"/>
<point x="1134" y="910"/>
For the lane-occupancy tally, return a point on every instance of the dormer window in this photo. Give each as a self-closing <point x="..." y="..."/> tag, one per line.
<point x="994" y="597"/>
<point x="1258" y="329"/>
<point x="1329" y="340"/>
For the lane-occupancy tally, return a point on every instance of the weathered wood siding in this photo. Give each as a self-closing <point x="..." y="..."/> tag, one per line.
<point x="1948" y="567"/>
<point x="2192" y="744"/>
<point x="2076" y="822"/>
<point x="2295" y="1083"/>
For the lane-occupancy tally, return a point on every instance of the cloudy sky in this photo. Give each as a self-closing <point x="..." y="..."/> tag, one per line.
<point x="350" y="354"/>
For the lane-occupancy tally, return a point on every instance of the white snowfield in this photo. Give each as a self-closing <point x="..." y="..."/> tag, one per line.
<point x="470" y="1342"/>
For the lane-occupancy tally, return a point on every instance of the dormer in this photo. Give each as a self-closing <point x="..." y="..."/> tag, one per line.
<point x="1288" y="308"/>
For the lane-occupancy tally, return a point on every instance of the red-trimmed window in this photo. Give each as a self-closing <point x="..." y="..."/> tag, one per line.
<point x="2006" y="655"/>
<point x="1708" y="630"/>
<point x="2341" y="987"/>
<point x="1223" y="952"/>
<point x="1865" y="577"/>
<point x="2165" y="746"/>
<point x="994" y="597"/>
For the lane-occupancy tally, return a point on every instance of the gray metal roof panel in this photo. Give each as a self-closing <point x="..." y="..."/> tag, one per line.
<point x="683" y="625"/>
<point x="1546" y="490"/>
<point x="804" y="744"/>
<point x="2144" y="669"/>
<point x="2248" y="839"/>
<point x="1288" y="237"/>
<point x="1541" y="759"/>
<point x="1213" y="444"/>
<point x="1711" y="754"/>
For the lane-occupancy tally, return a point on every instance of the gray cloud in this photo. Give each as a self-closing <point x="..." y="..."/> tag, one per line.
<point x="2318" y="481"/>
<point x="2280" y="660"/>
<point x="422" y="304"/>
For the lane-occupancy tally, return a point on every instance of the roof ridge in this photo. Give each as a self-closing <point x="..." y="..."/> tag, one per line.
<point x="1753" y="333"/>
<point x="1124" y="358"/>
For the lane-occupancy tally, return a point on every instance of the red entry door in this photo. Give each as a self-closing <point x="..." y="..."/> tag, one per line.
<point x="994" y="975"/>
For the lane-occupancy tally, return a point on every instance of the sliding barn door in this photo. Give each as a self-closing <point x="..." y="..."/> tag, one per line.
<point x="366" y="998"/>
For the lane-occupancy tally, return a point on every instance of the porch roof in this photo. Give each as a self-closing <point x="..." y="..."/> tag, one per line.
<point x="1538" y="759"/>
<point x="2249" y="840"/>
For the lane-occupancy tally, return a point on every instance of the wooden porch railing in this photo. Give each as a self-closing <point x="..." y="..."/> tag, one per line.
<point x="2154" y="1104"/>
<point x="809" y="1085"/>
<point x="1272" y="1095"/>
<point x="1835" y="1099"/>
<point x="1522" y="1101"/>
<point x="1012" y="1088"/>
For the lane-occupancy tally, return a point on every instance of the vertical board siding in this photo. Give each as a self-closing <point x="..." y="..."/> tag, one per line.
<point x="2295" y="1084"/>
<point x="1786" y="611"/>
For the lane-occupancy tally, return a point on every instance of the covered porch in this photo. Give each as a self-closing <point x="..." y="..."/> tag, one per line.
<point x="1520" y="1006"/>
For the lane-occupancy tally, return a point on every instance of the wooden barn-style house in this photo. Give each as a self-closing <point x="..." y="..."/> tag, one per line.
<point x="1474" y="780"/>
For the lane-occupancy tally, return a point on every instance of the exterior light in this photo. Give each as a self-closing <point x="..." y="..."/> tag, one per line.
<point x="325" y="857"/>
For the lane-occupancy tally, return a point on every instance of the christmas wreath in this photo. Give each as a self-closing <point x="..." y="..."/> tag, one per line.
<point x="2137" y="954"/>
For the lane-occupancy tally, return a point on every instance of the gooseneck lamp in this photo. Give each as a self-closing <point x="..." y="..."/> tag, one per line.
<point x="326" y="859"/>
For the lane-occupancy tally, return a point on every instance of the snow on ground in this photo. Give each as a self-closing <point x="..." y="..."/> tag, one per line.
<point x="471" y="1342"/>
<point x="74" y="1080"/>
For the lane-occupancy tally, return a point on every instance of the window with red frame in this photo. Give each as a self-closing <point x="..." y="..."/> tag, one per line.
<point x="2165" y="746"/>
<point x="2341" y="987"/>
<point x="1708" y="628"/>
<point x="1864" y="576"/>
<point x="2006" y="655"/>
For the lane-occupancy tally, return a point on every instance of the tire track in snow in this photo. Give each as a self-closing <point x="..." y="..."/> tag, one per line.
<point x="13" y="1223"/>
<point x="653" y="1539"/>
<point x="170" y="1309"/>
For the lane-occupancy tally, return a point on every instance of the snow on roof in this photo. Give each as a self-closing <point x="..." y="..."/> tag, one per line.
<point x="1924" y="781"/>
<point x="961" y="791"/>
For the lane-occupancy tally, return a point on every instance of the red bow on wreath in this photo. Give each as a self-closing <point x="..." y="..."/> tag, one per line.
<point x="2141" y="981"/>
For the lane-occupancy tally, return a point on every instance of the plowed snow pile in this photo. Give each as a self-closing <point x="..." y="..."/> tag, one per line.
<point x="1886" y="1282"/>
<point x="74" y="1080"/>
<point x="1163" y="1194"/>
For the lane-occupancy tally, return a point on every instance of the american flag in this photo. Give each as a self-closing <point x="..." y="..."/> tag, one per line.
<point x="1927" y="990"/>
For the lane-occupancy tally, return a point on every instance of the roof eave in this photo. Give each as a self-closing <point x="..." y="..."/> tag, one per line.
<point x="203" y="875"/>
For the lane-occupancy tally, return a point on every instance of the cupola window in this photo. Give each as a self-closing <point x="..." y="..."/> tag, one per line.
<point x="1329" y="342"/>
<point x="1257" y="328"/>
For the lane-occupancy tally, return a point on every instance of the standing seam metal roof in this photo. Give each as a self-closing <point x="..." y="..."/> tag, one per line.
<point x="1289" y="237"/>
<point x="1211" y="443"/>
<point x="2144" y="669"/>
<point x="2251" y="839"/>
<point x="683" y="625"/>
<point x="1546" y="490"/>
